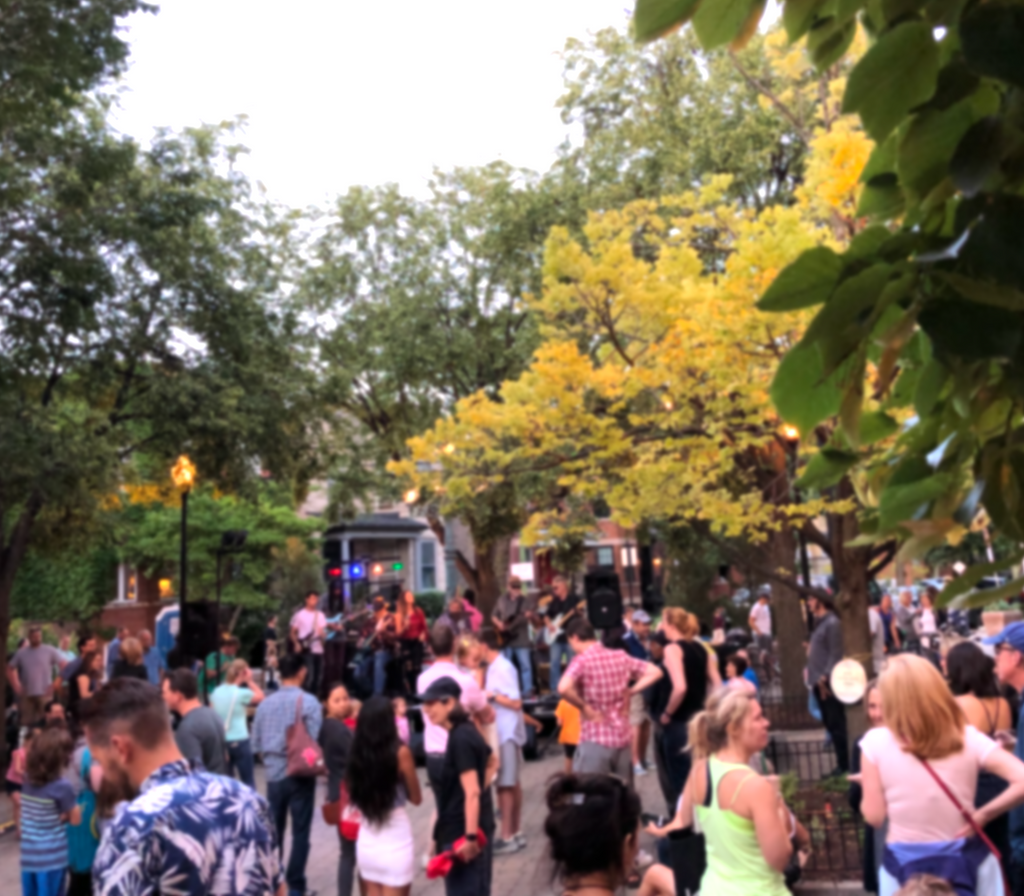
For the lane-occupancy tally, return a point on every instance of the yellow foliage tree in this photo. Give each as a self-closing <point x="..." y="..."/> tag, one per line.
<point x="650" y="389"/>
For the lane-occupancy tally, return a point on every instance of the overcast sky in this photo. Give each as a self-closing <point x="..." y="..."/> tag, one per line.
<point x="341" y="93"/>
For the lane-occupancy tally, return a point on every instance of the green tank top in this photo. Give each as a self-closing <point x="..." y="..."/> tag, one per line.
<point x="735" y="864"/>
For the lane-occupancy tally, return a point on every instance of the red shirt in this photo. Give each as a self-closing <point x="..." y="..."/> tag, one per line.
<point x="415" y="625"/>
<point x="602" y="677"/>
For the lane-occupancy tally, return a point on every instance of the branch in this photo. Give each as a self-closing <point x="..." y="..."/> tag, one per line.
<point x="814" y="535"/>
<point x="885" y="556"/>
<point x="765" y="91"/>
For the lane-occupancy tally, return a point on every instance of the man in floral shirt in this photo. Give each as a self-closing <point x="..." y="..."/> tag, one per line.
<point x="184" y="832"/>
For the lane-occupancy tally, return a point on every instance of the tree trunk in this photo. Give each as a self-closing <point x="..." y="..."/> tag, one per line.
<point x="788" y="616"/>
<point x="488" y="586"/>
<point x="851" y="569"/>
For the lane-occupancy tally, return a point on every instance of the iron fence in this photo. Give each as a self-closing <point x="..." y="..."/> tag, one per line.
<point x="809" y="760"/>
<point x="789" y="713"/>
<point x="837" y="844"/>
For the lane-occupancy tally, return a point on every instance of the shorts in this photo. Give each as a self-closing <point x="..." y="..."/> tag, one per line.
<point x="594" y="759"/>
<point x="637" y="710"/>
<point x="570" y="750"/>
<point x="12" y="787"/>
<point x="511" y="761"/>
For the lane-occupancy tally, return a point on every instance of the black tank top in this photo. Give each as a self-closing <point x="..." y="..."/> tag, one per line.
<point x="695" y="667"/>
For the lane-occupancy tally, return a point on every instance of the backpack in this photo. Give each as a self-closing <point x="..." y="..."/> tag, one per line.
<point x="83" y="838"/>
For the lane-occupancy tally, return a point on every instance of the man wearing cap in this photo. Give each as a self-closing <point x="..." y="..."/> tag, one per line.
<point x="1009" y="644"/>
<point x="637" y="641"/>
<point x="511" y="619"/>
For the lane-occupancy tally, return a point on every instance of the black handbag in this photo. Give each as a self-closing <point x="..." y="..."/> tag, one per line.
<point x="687" y="852"/>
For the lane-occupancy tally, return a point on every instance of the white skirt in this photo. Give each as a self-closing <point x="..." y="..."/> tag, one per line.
<point x="386" y="855"/>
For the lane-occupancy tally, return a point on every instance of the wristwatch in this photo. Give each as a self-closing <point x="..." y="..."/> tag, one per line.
<point x="471" y="838"/>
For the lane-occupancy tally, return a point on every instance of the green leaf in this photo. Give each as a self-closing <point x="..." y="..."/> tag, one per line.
<point x="828" y="41"/>
<point x="929" y="386"/>
<point x="875" y="426"/>
<point x="798" y="15"/>
<point x="654" y="18"/>
<point x="865" y="245"/>
<point x="985" y="597"/>
<point x="881" y="161"/>
<point x="719" y="21"/>
<point x="903" y="502"/>
<point x="992" y="37"/>
<point x="850" y="302"/>
<point x="986" y="293"/>
<point x="825" y="469"/>
<point x="800" y="391"/>
<point x="977" y="157"/>
<point x="807" y="281"/>
<point x="993" y="251"/>
<point x="896" y="74"/>
<point x="929" y="144"/>
<point x="881" y="203"/>
<point x="898" y="9"/>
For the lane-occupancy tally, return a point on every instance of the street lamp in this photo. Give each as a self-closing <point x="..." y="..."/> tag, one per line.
<point x="231" y="542"/>
<point x="184" y="475"/>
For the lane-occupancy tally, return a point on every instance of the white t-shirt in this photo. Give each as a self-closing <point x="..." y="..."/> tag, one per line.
<point x="305" y="622"/>
<point x="761" y="614"/>
<point x="917" y="809"/>
<point x="502" y="678"/>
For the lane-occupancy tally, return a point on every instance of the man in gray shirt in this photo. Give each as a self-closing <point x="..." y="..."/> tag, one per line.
<point x="31" y="672"/>
<point x="825" y="651"/>
<point x="200" y="733"/>
<point x="513" y="625"/>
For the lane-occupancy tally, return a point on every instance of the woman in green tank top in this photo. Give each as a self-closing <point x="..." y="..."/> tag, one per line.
<point x="748" y="830"/>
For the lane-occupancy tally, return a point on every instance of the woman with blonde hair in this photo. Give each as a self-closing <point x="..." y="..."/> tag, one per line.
<point x="693" y="672"/>
<point x="469" y="658"/>
<point x="920" y="773"/>
<point x="231" y="701"/>
<point x="748" y="829"/>
<point x="129" y="661"/>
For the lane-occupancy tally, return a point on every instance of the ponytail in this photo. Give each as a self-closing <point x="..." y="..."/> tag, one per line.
<point x="709" y="730"/>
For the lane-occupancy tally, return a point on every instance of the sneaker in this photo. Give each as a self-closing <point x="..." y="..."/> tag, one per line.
<point x="638" y="770"/>
<point x="505" y="847"/>
<point x="520" y="839"/>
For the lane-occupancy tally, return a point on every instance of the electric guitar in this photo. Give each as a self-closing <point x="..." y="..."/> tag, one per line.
<point x="336" y="625"/>
<point x="556" y="626"/>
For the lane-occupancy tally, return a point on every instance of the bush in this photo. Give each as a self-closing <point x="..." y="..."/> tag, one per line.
<point x="432" y="602"/>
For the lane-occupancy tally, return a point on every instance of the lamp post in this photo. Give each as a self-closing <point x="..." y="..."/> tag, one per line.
<point x="184" y="475"/>
<point x="231" y="542"/>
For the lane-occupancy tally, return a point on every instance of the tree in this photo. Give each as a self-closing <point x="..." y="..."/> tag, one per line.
<point x="276" y="557"/>
<point x="924" y="310"/>
<point x="138" y="299"/>
<point x="650" y="391"/>
<point x="656" y="121"/>
<point x="419" y="305"/>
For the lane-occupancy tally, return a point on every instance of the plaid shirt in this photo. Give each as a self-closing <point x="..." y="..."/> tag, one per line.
<point x="602" y="676"/>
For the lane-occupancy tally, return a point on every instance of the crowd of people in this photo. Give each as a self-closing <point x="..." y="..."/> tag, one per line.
<point x="134" y="779"/>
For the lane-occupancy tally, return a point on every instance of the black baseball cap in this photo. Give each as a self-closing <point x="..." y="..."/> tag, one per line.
<point x="441" y="689"/>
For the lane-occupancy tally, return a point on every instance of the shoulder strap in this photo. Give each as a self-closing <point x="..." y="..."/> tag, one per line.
<point x="969" y="818"/>
<point x="988" y="717"/>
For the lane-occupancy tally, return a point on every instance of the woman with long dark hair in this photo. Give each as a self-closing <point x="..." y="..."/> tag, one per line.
<point x="972" y="679"/>
<point x="381" y="779"/>
<point x="411" y="626"/>
<point x="593" y="826"/>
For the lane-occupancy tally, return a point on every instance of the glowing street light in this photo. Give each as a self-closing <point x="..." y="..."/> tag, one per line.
<point x="790" y="432"/>
<point x="412" y="496"/>
<point x="184" y="475"/>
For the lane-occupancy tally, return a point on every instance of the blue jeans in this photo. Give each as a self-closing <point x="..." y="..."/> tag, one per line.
<point x="523" y="659"/>
<point x="296" y="795"/>
<point x="240" y="760"/>
<point x="557" y="652"/>
<point x="43" y="883"/>
<point x="470" y="878"/>
<point x="381" y="658"/>
<point x="678" y="761"/>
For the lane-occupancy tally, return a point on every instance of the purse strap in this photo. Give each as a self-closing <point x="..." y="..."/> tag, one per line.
<point x="969" y="818"/>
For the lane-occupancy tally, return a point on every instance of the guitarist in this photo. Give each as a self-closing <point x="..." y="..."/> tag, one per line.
<point x="511" y="619"/>
<point x="306" y="636"/>
<point x="562" y="601"/>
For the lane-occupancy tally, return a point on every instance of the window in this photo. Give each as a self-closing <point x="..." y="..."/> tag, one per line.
<point x="606" y="557"/>
<point x="428" y="565"/>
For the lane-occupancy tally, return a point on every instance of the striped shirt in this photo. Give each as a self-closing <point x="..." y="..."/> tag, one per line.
<point x="44" y="838"/>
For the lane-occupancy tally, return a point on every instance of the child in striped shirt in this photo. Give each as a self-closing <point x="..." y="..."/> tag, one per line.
<point x="47" y="802"/>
